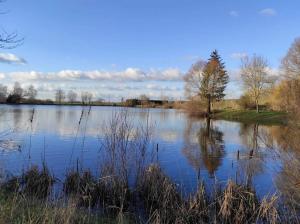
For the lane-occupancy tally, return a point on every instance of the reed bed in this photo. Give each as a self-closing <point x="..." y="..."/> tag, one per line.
<point x="89" y="199"/>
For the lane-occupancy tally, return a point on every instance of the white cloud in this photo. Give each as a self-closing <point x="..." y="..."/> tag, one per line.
<point x="129" y="74"/>
<point x="11" y="59"/>
<point x="170" y="74"/>
<point x="268" y="12"/>
<point x="234" y="13"/>
<point x="157" y="87"/>
<point x="238" y="55"/>
<point x="2" y="76"/>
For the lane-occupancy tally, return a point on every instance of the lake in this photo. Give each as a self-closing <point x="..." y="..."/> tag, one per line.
<point x="189" y="149"/>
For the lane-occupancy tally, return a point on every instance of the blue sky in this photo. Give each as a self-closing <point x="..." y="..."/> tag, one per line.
<point x="125" y="48"/>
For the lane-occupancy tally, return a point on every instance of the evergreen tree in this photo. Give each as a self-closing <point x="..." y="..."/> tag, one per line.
<point x="214" y="81"/>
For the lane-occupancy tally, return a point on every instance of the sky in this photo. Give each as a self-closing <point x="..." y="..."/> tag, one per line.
<point x="125" y="48"/>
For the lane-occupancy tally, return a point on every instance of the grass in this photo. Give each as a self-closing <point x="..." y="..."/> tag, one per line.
<point x="158" y="197"/>
<point x="251" y="116"/>
<point x="18" y="208"/>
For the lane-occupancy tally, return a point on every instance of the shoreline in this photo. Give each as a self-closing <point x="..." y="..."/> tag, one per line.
<point x="266" y="117"/>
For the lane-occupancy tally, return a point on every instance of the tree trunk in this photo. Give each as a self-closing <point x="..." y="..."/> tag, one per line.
<point x="208" y="105"/>
<point x="257" y="106"/>
<point x="208" y="126"/>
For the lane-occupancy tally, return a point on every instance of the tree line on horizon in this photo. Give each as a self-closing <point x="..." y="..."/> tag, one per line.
<point x="28" y="95"/>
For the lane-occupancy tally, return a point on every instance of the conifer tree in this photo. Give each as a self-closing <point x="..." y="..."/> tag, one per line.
<point x="215" y="79"/>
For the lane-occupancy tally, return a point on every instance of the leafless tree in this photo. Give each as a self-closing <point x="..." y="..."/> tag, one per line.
<point x="3" y="93"/>
<point x="193" y="79"/>
<point x="144" y="99"/>
<point x="31" y="92"/>
<point x="18" y="90"/>
<point x="86" y="97"/>
<point x="291" y="62"/>
<point x="9" y="40"/>
<point x="16" y="94"/>
<point x="291" y="72"/>
<point x="72" y="96"/>
<point x="255" y="76"/>
<point x="60" y="96"/>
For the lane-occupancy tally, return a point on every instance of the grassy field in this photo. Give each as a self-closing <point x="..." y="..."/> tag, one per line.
<point x="251" y="116"/>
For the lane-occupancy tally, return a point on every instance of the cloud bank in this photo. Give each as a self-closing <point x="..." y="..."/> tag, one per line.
<point x="129" y="74"/>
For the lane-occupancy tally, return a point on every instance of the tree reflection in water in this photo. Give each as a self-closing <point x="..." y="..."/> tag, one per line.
<point x="251" y="161"/>
<point x="206" y="149"/>
<point x="285" y="142"/>
<point x="212" y="147"/>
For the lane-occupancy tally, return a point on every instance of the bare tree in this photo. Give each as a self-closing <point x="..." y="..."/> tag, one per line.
<point x="3" y="93"/>
<point x="60" y="96"/>
<point x="9" y="40"/>
<point x="31" y="92"/>
<point x="16" y="95"/>
<point x="72" y="96"/>
<point x="193" y="79"/>
<point x="18" y="90"/>
<point x="144" y="97"/>
<point x="291" y="62"/>
<point x="255" y="76"/>
<point x="291" y="71"/>
<point x="86" y="97"/>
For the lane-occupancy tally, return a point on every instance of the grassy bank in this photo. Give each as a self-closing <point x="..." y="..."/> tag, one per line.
<point x="251" y="116"/>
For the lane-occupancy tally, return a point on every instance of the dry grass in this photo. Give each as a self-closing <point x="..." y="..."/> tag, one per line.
<point x="235" y="204"/>
<point x="106" y="199"/>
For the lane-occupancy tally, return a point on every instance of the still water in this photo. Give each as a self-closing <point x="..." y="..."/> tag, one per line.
<point x="188" y="149"/>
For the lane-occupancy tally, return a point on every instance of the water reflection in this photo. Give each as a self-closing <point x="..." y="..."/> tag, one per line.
<point x="17" y="117"/>
<point x="250" y="159"/>
<point x="212" y="147"/>
<point x="286" y="143"/>
<point x="209" y="151"/>
<point x="189" y="149"/>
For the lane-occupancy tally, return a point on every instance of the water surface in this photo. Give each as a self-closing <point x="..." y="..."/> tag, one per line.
<point x="189" y="149"/>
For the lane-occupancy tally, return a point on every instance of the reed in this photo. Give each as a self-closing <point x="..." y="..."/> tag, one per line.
<point x="106" y="199"/>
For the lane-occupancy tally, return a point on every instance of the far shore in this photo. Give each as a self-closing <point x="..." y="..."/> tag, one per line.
<point x="266" y="117"/>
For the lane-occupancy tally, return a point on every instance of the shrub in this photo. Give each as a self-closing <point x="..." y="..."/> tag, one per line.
<point x="245" y="102"/>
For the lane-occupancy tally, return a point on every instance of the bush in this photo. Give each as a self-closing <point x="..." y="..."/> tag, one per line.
<point x="245" y="102"/>
<point x="14" y="98"/>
